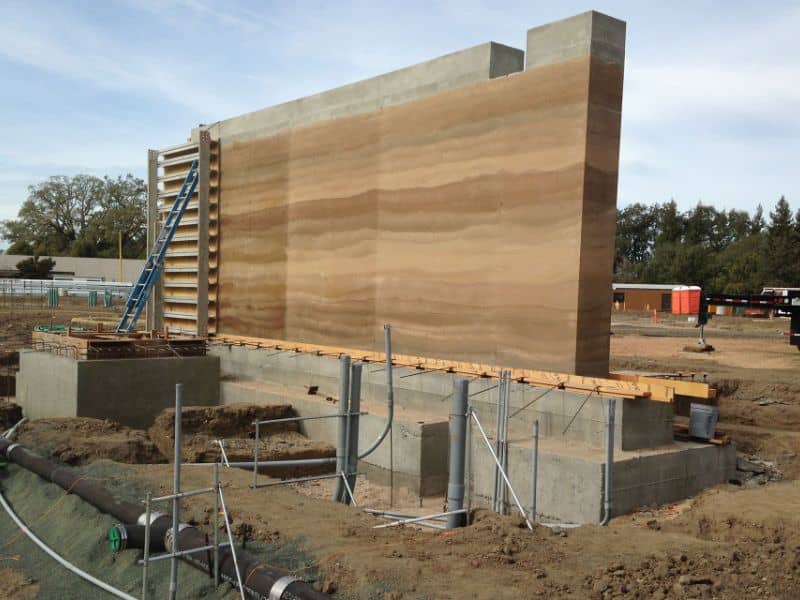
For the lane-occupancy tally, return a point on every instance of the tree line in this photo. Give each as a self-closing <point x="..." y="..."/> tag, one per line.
<point x="729" y="251"/>
<point x="80" y="216"/>
<point x="724" y="251"/>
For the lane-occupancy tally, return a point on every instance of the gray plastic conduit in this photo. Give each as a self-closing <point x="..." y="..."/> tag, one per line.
<point x="259" y="577"/>
<point x="343" y="427"/>
<point x="389" y="394"/>
<point x="609" y="470"/>
<point x="353" y="429"/>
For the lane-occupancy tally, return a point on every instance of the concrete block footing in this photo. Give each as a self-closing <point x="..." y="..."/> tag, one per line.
<point x="129" y="391"/>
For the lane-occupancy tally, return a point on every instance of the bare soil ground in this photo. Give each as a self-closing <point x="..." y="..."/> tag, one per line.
<point x="757" y="378"/>
<point x="82" y="441"/>
<point x="202" y="426"/>
<point x="19" y="315"/>
<point x="15" y="585"/>
<point x="728" y="542"/>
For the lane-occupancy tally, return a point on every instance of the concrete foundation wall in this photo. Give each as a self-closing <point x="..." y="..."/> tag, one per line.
<point x="571" y="478"/>
<point x="130" y="391"/>
<point x="426" y="395"/>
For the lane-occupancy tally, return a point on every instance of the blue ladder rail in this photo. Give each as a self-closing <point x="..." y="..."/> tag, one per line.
<point x="137" y="299"/>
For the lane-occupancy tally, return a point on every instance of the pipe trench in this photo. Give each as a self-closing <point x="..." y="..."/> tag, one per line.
<point x="261" y="579"/>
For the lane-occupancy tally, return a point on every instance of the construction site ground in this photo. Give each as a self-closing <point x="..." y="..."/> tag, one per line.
<point x="731" y="541"/>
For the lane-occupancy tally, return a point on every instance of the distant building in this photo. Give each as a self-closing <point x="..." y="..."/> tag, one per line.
<point x="642" y="296"/>
<point x="102" y="269"/>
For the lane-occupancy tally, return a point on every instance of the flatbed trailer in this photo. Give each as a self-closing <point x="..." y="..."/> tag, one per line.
<point x="781" y="305"/>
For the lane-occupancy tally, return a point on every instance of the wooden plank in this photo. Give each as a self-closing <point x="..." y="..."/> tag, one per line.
<point x="622" y="389"/>
<point x="692" y="389"/>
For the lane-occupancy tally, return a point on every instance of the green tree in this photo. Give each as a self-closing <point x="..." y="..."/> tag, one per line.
<point x="741" y="267"/>
<point x="80" y="216"/>
<point x="724" y="251"/>
<point x="738" y="225"/>
<point x="35" y="268"/>
<point x="782" y="259"/>
<point x="757" y="223"/>
<point x="636" y="228"/>
<point x="671" y="223"/>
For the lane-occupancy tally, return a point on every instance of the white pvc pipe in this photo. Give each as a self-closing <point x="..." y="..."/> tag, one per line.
<point x="10" y="433"/>
<point x="62" y="561"/>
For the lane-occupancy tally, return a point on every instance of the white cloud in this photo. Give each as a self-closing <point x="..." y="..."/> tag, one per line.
<point x="71" y="48"/>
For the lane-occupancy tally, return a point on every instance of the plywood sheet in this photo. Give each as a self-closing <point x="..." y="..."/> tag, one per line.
<point x="477" y="221"/>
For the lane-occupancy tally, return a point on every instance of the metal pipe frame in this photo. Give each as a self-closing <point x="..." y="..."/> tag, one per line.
<point x="298" y="480"/>
<point x="146" y="556"/>
<point x="232" y="547"/>
<point x="388" y="514"/>
<point x="261" y="576"/>
<point x="290" y="419"/>
<point x="216" y="523"/>
<point x="418" y="519"/>
<point x="534" y="468"/>
<point x="349" y="490"/>
<point x="183" y="552"/>
<point x="176" y="489"/>
<point x="256" y="444"/>
<point x="502" y="472"/>
<point x="183" y="494"/>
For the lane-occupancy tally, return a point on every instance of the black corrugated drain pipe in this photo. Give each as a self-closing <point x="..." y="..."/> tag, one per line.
<point x="262" y="581"/>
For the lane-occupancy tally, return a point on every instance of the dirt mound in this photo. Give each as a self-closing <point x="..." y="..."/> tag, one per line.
<point x="233" y="420"/>
<point x="80" y="440"/>
<point x="203" y="425"/>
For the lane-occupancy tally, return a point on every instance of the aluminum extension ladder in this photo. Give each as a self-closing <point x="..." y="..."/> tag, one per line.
<point x="152" y="266"/>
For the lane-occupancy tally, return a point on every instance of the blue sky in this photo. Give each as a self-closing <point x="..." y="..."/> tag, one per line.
<point x="712" y="89"/>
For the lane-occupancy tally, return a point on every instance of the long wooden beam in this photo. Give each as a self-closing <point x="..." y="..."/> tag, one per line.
<point x="662" y="390"/>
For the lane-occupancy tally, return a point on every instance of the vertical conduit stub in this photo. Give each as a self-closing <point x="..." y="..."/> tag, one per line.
<point x="609" y="466"/>
<point x="458" y="449"/>
<point x="353" y="430"/>
<point x="342" y="424"/>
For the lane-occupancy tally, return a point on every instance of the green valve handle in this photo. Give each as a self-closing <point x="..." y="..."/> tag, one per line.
<point x="117" y="538"/>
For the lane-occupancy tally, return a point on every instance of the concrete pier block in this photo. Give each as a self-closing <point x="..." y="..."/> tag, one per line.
<point x="129" y="391"/>
<point x="578" y="36"/>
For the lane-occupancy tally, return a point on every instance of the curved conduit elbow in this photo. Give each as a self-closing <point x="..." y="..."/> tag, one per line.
<point x="389" y="395"/>
<point x="332" y="460"/>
